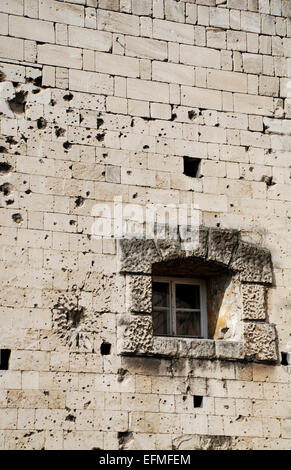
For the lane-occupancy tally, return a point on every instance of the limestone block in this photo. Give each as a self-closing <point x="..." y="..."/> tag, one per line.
<point x="173" y="73"/>
<point x="11" y="48"/>
<point x="118" y="22"/>
<point x="146" y="48"/>
<point x="31" y="29"/>
<point x="176" y="32"/>
<point x="147" y="90"/>
<point x="254" y="305"/>
<point x="139" y="293"/>
<point x="201" y="98"/>
<point x="262" y="105"/>
<point x="199" y="56"/>
<point x="90" y="82"/>
<point x="221" y="245"/>
<point x="60" y="55"/>
<point x="253" y="263"/>
<point x="52" y="10"/>
<point x="134" y="334"/>
<point x="137" y="255"/>
<point x="90" y="39"/>
<point x="183" y="347"/>
<point x="260" y="342"/>
<point x="142" y="8"/>
<point x="228" y="81"/>
<point x="116" y="64"/>
<point x="229" y="350"/>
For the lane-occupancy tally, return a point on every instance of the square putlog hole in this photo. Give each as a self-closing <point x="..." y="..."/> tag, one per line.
<point x="4" y="358"/>
<point x="192" y="167"/>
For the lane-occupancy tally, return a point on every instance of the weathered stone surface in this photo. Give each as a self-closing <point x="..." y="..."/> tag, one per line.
<point x="170" y="249"/>
<point x="229" y="349"/>
<point x="253" y="263"/>
<point x="137" y="256"/>
<point x="200" y="238"/>
<point x="134" y="334"/>
<point x="254" y="303"/>
<point x="221" y="244"/>
<point x="260" y="342"/>
<point x="139" y="293"/>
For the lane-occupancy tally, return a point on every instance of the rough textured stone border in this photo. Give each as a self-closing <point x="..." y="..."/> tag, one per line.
<point x="225" y="247"/>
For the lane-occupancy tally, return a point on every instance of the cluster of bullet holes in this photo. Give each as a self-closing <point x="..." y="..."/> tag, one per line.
<point x="192" y="167"/>
<point x="197" y="401"/>
<point x="105" y="348"/>
<point x="4" y="358"/>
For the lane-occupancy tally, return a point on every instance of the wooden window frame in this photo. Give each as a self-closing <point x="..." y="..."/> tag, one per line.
<point x="173" y="281"/>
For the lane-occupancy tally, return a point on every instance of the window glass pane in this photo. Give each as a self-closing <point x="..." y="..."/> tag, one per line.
<point x="160" y="322"/>
<point x="188" y="323"/>
<point x="160" y="294"/>
<point x="187" y="296"/>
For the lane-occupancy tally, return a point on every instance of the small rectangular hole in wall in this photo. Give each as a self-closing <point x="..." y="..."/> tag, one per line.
<point x="197" y="401"/>
<point x="284" y="359"/>
<point x="192" y="167"/>
<point x="4" y="358"/>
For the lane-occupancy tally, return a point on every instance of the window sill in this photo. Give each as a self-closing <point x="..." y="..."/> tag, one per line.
<point x="135" y="338"/>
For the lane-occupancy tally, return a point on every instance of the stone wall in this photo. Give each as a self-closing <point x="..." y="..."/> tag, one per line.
<point x="104" y="98"/>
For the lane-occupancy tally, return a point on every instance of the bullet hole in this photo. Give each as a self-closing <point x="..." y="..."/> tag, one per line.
<point x="145" y="147"/>
<point x="41" y="123"/>
<point x="184" y="397"/>
<point x="2" y="76"/>
<point x="134" y="195"/>
<point x="71" y="418"/>
<point x="99" y="122"/>
<point x="81" y="119"/>
<point x="17" y="104"/>
<point x="72" y="222"/>
<point x="3" y="149"/>
<point x="105" y="348"/>
<point x="9" y="202"/>
<point x="123" y="438"/>
<point x="100" y="137"/>
<point x="132" y="123"/>
<point x="87" y="193"/>
<point x="251" y="169"/>
<point x="284" y="359"/>
<point x="192" y="167"/>
<point x="68" y="97"/>
<point x="52" y="102"/>
<point x="4" y="358"/>
<point x="38" y="81"/>
<point x="121" y="374"/>
<point x="28" y="191"/>
<point x="67" y="145"/>
<point x="59" y="131"/>
<point x="268" y="180"/>
<point x="17" y="218"/>
<point x="191" y="114"/>
<point x="79" y="201"/>
<point x="35" y="91"/>
<point x="197" y="401"/>
<point x="173" y="117"/>
<point x="6" y="188"/>
<point x="129" y="172"/>
<point x="5" y="167"/>
<point x="247" y="147"/>
<point x="11" y="140"/>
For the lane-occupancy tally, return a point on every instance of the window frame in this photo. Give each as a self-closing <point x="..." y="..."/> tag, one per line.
<point x="173" y="281"/>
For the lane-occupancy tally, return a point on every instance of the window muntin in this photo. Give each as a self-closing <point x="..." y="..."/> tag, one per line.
<point x="179" y="307"/>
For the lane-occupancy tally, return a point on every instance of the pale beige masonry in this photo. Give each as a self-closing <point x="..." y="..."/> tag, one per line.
<point x="61" y="56"/>
<point x="173" y="73"/>
<point x="261" y="105"/>
<point x="200" y="56"/>
<point x="112" y="111"/>
<point x="107" y="63"/>
<point x="11" y="48"/>
<point x="227" y="81"/>
<point x="90" y="82"/>
<point x="60" y="12"/>
<point x="147" y="90"/>
<point x="90" y="39"/>
<point x="31" y="29"/>
<point x="118" y="22"/>
<point x="201" y="98"/>
<point x="170" y="31"/>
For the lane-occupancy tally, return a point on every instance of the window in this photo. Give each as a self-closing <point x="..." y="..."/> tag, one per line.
<point x="179" y="307"/>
